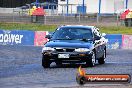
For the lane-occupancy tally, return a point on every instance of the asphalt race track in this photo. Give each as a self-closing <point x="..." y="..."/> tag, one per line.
<point x="20" y="67"/>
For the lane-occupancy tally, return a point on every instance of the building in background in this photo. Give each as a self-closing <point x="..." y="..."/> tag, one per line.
<point x="71" y="6"/>
<point x="92" y="6"/>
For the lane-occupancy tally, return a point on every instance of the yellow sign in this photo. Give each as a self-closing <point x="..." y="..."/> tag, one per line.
<point x="129" y="15"/>
<point x="32" y="10"/>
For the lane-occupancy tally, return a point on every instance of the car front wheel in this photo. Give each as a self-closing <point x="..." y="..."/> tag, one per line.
<point x="92" y="61"/>
<point x="45" y="62"/>
<point x="102" y="59"/>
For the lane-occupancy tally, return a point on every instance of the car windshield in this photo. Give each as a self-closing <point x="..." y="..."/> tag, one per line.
<point x="72" y="33"/>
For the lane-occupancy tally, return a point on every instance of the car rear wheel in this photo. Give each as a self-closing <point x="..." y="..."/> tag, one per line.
<point x="92" y="61"/>
<point x="102" y="59"/>
<point x="45" y="62"/>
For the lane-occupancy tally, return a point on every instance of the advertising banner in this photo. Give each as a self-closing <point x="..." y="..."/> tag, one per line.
<point x="114" y="41"/>
<point x="37" y="38"/>
<point x="16" y="37"/>
<point x="127" y="41"/>
<point x="40" y="39"/>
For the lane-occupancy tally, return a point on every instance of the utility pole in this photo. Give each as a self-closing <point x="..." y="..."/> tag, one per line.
<point x="83" y="7"/>
<point x="126" y="4"/>
<point x="37" y="1"/>
<point x="67" y="6"/>
<point x="99" y="7"/>
<point x="98" y="15"/>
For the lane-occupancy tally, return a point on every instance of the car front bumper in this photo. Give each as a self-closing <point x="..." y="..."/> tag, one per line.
<point x="73" y="56"/>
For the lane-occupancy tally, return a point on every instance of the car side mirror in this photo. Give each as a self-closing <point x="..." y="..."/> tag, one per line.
<point x="48" y="36"/>
<point x="103" y="34"/>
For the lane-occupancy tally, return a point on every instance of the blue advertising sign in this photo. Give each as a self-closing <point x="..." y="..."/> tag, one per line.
<point x="114" y="41"/>
<point x="16" y="37"/>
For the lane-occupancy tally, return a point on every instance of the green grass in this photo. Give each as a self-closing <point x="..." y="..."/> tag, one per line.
<point x="116" y="30"/>
<point x="41" y="27"/>
<point x="22" y="26"/>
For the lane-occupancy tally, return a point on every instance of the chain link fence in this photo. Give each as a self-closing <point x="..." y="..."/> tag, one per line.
<point x="18" y="15"/>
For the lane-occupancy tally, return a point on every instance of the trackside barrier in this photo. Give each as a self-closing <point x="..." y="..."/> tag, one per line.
<point x="126" y="41"/>
<point x="114" y="41"/>
<point x="37" y="38"/>
<point x="16" y="37"/>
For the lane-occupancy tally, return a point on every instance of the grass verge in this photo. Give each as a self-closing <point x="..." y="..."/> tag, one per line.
<point x="23" y="26"/>
<point x="41" y="27"/>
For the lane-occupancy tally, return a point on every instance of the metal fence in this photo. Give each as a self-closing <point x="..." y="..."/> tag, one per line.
<point x="52" y="17"/>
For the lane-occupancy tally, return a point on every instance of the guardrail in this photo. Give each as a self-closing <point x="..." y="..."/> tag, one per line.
<point x="16" y="37"/>
<point x="37" y="38"/>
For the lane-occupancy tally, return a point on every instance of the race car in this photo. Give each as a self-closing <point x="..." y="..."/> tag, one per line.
<point x="74" y="44"/>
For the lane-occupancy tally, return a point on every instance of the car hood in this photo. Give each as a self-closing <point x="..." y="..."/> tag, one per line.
<point x="69" y="44"/>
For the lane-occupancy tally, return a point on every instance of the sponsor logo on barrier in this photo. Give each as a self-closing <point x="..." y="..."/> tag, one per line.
<point x="115" y="45"/>
<point x="11" y="38"/>
<point x="40" y="39"/>
<point x="16" y="37"/>
<point x="115" y="41"/>
<point x="127" y="41"/>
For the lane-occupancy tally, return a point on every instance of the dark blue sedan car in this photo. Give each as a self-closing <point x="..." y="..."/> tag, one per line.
<point x="74" y="44"/>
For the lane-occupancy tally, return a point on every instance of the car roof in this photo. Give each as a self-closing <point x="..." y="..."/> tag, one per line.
<point x="80" y="26"/>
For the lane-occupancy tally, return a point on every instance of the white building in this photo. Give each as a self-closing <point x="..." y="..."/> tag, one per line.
<point x="92" y="6"/>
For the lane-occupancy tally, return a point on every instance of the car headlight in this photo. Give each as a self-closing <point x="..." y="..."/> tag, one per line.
<point x="82" y="50"/>
<point x="47" y="49"/>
